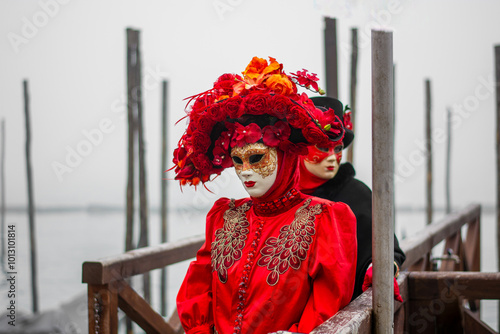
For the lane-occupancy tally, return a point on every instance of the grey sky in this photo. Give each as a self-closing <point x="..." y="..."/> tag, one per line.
<point x="73" y="53"/>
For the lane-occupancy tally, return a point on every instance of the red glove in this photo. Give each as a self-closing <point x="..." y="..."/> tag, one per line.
<point x="368" y="281"/>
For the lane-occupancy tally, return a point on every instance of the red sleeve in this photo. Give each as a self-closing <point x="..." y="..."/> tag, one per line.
<point x="194" y="300"/>
<point x="334" y="267"/>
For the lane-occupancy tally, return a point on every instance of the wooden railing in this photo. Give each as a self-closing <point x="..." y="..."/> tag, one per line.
<point x="108" y="289"/>
<point x="432" y="292"/>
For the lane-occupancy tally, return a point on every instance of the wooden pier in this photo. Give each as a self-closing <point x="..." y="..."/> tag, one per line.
<point x="444" y="301"/>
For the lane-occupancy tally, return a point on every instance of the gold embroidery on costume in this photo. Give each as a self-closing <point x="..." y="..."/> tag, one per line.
<point x="264" y="166"/>
<point x="290" y="248"/>
<point x="230" y="239"/>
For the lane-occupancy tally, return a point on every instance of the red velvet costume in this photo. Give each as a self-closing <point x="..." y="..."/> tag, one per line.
<point x="283" y="261"/>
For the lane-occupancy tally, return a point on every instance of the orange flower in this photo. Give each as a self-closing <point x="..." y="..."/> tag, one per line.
<point x="280" y="84"/>
<point x="273" y="68"/>
<point x="255" y="68"/>
<point x="222" y="97"/>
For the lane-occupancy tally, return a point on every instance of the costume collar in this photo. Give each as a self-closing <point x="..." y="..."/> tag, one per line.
<point x="279" y="205"/>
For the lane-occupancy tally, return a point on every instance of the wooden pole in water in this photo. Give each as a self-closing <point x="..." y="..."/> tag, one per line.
<point x="164" y="202"/>
<point x="428" y="147"/>
<point x="132" y="44"/>
<point x="448" y="159"/>
<point x="31" y="202"/>
<point x="383" y="183"/>
<point x="497" y="75"/>
<point x="131" y="111"/>
<point x="143" y="200"/>
<point x="2" y="208"/>
<point x="352" y="98"/>
<point x="331" y="57"/>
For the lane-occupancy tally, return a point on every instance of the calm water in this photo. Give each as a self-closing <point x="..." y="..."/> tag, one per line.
<point x="66" y="240"/>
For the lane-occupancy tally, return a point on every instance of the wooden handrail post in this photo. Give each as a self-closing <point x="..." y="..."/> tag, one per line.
<point x="383" y="183"/>
<point x="102" y="309"/>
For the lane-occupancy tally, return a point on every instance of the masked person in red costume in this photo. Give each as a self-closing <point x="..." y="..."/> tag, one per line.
<point x="278" y="260"/>
<point x="322" y="175"/>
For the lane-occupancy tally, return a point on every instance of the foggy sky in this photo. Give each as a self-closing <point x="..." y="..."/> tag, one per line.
<point x="74" y="55"/>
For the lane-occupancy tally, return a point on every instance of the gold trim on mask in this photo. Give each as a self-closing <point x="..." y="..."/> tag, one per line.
<point x="264" y="167"/>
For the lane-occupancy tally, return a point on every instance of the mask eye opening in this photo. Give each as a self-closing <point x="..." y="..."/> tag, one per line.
<point x="323" y="149"/>
<point x="237" y="160"/>
<point x="255" y="158"/>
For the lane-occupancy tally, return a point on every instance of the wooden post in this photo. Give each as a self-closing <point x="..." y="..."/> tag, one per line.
<point x="2" y="207"/>
<point x="497" y="75"/>
<point x="143" y="200"/>
<point x="131" y="112"/>
<point x="331" y="57"/>
<point x="164" y="193"/>
<point x="352" y="98"/>
<point x="383" y="183"/>
<point x="448" y="159"/>
<point x="394" y="140"/>
<point x="428" y="147"/>
<point x="31" y="202"/>
<point x="132" y="44"/>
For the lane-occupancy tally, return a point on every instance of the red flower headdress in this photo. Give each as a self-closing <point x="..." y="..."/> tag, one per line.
<point x="262" y="105"/>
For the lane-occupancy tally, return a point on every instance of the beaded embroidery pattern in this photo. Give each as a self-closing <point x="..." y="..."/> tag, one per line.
<point x="290" y="248"/>
<point x="230" y="239"/>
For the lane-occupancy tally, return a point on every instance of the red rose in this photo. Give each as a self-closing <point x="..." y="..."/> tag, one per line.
<point x="205" y="124"/>
<point x="215" y="113"/>
<point x="200" y="141"/>
<point x="234" y="107"/>
<point x="315" y="136"/>
<point x="279" y="105"/>
<point x="298" y="117"/>
<point x="224" y="85"/>
<point x="203" y="164"/>
<point x="256" y="104"/>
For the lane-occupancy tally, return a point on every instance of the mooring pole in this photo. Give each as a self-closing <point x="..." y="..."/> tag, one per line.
<point x="497" y="75"/>
<point x="331" y="58"/>
<point x="382" y="181"/>
<point x="3" y="251"/>
<point x="448" y="160"/>
<point x="352" y="97"/>
<point x="31" y="201"/>
<point x="428" y="148"/>
<point x="164" y="202"/>
<point x="143" y="198"/>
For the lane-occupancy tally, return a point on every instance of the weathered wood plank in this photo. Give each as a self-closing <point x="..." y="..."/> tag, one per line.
<point x="434" y="233"/>
<point x="140" y="260"/>
<point x="102" y="309"/>
<point x="449" y="285"/>
<point x="175" y="322"/>
<point x="474" y="325"/>
<point x="354" y="318"/>
<point x="139" y="311"/>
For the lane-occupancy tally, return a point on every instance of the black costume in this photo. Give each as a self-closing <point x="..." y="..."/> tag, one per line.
<point x="345" y="188"/>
